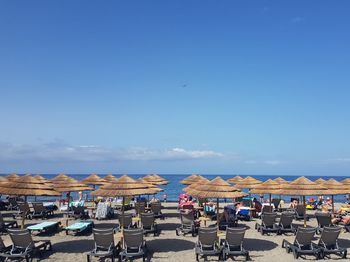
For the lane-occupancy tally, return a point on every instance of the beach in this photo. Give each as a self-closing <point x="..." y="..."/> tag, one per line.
<point x="169" y="247"/>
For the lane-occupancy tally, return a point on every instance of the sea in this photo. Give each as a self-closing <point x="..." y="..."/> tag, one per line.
<point x="174" y="188"/>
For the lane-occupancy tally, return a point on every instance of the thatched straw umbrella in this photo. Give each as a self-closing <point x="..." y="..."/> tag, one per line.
<point x="12" y="176"/>
<point x="268" y="187"/>
<point x="303" y="187"/>
<point x="156" y="180"/>
<point x="248" y="183"/>
<point x="60" y="177"/>
<point x="216" y="188"/>
<point x="335" y="188"/>
<point x="320" y="181"/>
<point x="125" y="186"/>
<point x="190" y="179"/>
<point x="27" y="186"/>
<point x="110" y="178"/>
<point x="94" y="180"/>
<point x="235" y="179"/>
<point x="3" y="179"/>
<point x="280" y="180"/>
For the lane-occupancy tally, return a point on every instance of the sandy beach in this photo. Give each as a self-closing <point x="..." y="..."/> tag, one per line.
<point x="169" y="247"/>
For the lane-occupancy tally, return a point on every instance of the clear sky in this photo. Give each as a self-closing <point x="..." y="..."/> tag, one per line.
<point x="215" y="87"/>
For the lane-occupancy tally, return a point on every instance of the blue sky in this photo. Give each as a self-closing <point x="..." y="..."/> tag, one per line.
<point x="249" y="87"/>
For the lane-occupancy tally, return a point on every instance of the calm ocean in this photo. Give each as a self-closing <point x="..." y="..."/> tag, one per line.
<point x="174" y="188"/>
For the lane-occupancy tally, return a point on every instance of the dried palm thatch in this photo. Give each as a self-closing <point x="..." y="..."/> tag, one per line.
<point x="346" y="181"/>
<point x="60" y="177"/>
<point x="94" y="179"/>
<point x="191" y="179"/>
<point x="110" y="178"/>
<point x="320" y="181"/>
<point x="12" y="176"/>
<point x="3" y="179"/>
<point x="27" y="186"/>
<point x="152" y="186"/>
<point x="248" y="182"/>
<point x="70" y="185"/>
<point x="124" y="186"/>
<point x="303" y="187"/>
<point x="280" y="180"/>
<point x="268" y="187"/>
<point x="156" y="180"/>
<point x="235" y="179"/>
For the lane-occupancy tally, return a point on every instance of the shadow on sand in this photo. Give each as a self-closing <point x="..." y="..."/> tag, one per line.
<point x="81" y="246"/>
<point x="167" y="245"/>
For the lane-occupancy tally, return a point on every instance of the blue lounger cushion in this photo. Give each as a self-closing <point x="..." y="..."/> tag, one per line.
<point x="43" y="226"/>
<point x="79" y="226"/>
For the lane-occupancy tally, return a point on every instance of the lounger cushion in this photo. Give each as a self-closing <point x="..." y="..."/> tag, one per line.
<point x="42" y="226"/>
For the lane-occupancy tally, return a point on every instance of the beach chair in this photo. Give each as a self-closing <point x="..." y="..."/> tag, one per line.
<point x="299" y="212"/>
<point x="233" y="244"/>
<point x="4" y="247"/>
<point x="78" y="228"/>
<point x="5" y="224"/>
<point x="286" y="223"/>
<point x="23" y="210"/>
<point x="24" y="246"/>
<point x="140" y="208"/>
<point x="276" y="203"/>
<point x="125" y="220"/>
<point x="133" y="245"/>
<point x="232" y="218"/>
<point x="79" y="212"/>
<point x="39" y="211"/>
<point x="156" y="209"/>
<point x="268" y="224"/>
<point x="323" y="220"/>
<point x="208" y="243"/>
<point x="188" y="224"/>
<point x="329" y="242"/>
<point x="148" y="224"/>
<point x="13" y="205"/>
<point x="104" y="244"/>
<point x="45" y="227"/>
<point x="303" y="244"/>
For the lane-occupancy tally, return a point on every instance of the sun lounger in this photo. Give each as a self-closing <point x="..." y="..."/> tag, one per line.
<point x="208" y="243"/>
<point x="45" y="227"/>
<point x="39" y="211"/>
<point x="148" y="224"/>
<point x="188" y="224"/>
<point x="5" y="224"/>
<point x="156" y="209"/>
<point x="285" y="223"/>
<point x="140" y="207"/>
<point x="24" y="246"/>
<point x="323" y="220"/>
<point x="125" y="220"/>
<point x="300" y="212"/>
<point x="233" y="244"/>
<point x="303" y="244"/>
<point x="329" y="242"/>
<point x="134" y="245"/>
<point x="268" y="224"/>
<point x="232" y="218"/>
<point x="80" y="227"/>
<point x="104" y="244"/>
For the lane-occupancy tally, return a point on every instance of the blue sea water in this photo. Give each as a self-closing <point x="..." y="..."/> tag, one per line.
<point x="174" y="188"/>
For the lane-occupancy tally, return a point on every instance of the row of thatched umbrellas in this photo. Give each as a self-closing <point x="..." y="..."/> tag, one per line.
<point x="218" y="188"/>
<point x="110" y="186"/>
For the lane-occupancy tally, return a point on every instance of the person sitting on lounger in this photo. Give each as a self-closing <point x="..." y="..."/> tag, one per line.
<point x="293" y="204"/>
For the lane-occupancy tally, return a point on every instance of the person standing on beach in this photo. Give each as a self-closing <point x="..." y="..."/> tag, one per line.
<point x="165" y="198"/>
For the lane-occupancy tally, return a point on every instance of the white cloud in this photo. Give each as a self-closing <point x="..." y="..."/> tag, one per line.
<point x="58" y="151"/>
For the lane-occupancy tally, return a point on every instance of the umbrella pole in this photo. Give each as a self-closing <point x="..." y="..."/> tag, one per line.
<point x="122" y="238"/>
<point x="217" y="216"/>
<point x="93" y="197"/>
<point x="270" y="199"/>
<point x="304" y="211"/>
<point x="332" y="204"/>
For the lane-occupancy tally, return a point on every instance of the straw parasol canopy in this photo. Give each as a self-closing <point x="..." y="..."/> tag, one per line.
<point x="156" y="180"/>
<point x="346" y="181"/>
<point x="124" y="186"/>
<point x="3" y="179"/>
<point x="248" y="182"/>
<point x="268" y="187"/>
<point x="320" y="181"/>
<point x="12" y="176"/>
<point x="335" y="188"/>
<point x="27" y="186"/>
<point x="280" y="180"/>
<point x="235" y="179"/>
<point x="190" y="179"/>
<point x="110" y="178"/>
<point x="60" y="177"/>
<point x="39" y="177"/>
<point x="150" y="185"/>
<point x="70" y="185"/>
<point x="93" y="179"/>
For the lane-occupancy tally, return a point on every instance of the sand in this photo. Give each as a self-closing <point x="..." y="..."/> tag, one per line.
<point x="169" y="247"/>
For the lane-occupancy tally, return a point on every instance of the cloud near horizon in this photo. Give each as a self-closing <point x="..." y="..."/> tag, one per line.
<point x="57" y="151"/>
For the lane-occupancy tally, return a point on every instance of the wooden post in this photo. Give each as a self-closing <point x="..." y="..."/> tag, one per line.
<point x="304" y="211"/>
<point x="332" y="204"/>
<point x="217" y="216"/>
